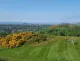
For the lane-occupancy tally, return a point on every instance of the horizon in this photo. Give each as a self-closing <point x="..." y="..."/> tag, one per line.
<point x="39" y="11"/>
<point x="37" y="23"/>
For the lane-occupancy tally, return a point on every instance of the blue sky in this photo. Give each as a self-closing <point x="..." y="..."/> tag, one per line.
<point x="40" y="11"/>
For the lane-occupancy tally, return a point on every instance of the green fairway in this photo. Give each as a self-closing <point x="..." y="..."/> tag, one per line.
<point x="55" y="49"/>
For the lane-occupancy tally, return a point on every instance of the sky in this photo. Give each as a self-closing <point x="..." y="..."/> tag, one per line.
<point x="40" y="11"/>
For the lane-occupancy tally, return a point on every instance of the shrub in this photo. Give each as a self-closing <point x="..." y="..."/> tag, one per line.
<point x="15" y="40"/>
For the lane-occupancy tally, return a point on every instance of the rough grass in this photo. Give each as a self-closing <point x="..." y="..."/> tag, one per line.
<point x="55" y="49"/>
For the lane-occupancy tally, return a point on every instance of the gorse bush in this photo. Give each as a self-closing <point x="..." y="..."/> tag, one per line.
<point x="36" y="38"/>
<point x="15" y="40"/>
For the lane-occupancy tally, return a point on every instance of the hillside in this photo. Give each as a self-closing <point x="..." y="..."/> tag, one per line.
<point x="57" y="48"/>
<point x="55" y="43"/>
<point x="63" y="30"/>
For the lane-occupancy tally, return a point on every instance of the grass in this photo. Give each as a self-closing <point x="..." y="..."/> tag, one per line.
<point x="55" y="49"/>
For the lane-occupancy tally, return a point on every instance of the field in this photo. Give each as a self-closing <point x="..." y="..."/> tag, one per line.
<point x="57" y="48"/>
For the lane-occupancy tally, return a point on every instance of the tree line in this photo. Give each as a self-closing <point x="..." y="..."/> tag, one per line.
<point x="63" y="30"/>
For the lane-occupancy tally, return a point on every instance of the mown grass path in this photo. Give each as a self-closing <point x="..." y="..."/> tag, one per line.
<point x="57" y="49"/>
